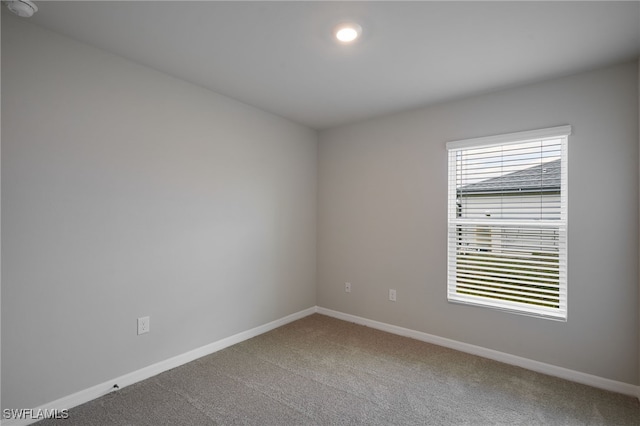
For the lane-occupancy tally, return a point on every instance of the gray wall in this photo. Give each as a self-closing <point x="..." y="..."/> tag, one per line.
<point x="126" y="193"/>
<point x="382" y="220"/>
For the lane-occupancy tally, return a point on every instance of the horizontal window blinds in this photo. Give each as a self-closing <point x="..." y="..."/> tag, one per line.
<point x="507" y="222"/>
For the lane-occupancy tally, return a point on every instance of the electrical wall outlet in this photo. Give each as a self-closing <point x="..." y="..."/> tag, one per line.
<point x="392" y="294"/>
<point x="143" y="325"/>
<point x="347" y="287"/>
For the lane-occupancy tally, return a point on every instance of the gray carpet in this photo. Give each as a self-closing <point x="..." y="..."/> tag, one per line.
<point x="323" y="371"/>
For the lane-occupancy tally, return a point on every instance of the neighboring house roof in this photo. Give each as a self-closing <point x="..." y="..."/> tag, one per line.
<point x="541" y="178"/>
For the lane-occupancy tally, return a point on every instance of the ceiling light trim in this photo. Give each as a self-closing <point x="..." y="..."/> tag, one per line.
<point x="22" y="8"/>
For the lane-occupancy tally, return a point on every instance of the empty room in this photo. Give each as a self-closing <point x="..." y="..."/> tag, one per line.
<point x="315" y="213"/>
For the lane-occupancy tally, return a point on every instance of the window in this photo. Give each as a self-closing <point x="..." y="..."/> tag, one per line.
<point x="507" y="227"/>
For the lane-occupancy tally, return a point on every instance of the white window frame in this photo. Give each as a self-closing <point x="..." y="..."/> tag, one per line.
<point x="453" y="147"/>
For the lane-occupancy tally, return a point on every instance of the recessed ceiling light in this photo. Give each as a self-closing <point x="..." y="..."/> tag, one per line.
<point x="347" y="32"/>
<point x="22" y="8"/>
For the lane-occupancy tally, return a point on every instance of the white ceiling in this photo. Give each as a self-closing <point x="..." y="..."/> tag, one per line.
<point x="279" y="56"/>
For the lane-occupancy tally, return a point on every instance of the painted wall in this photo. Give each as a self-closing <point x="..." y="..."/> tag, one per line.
<point x="127" y="193"/>
<point x="382" y="220"/>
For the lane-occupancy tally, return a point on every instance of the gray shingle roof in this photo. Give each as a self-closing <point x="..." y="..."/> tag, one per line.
<point x="541" y="178"/>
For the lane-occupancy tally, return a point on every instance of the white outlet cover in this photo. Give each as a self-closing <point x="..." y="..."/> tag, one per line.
<point x="392" y="295"/>
<point x="143" y="325"/>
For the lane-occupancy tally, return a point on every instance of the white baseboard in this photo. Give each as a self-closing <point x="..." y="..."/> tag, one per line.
<point x="540" y="367"/>
<point x="102" y="389"/>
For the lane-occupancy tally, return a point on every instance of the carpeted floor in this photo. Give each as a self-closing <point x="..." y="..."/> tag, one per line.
<point x="323" y="371"/>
